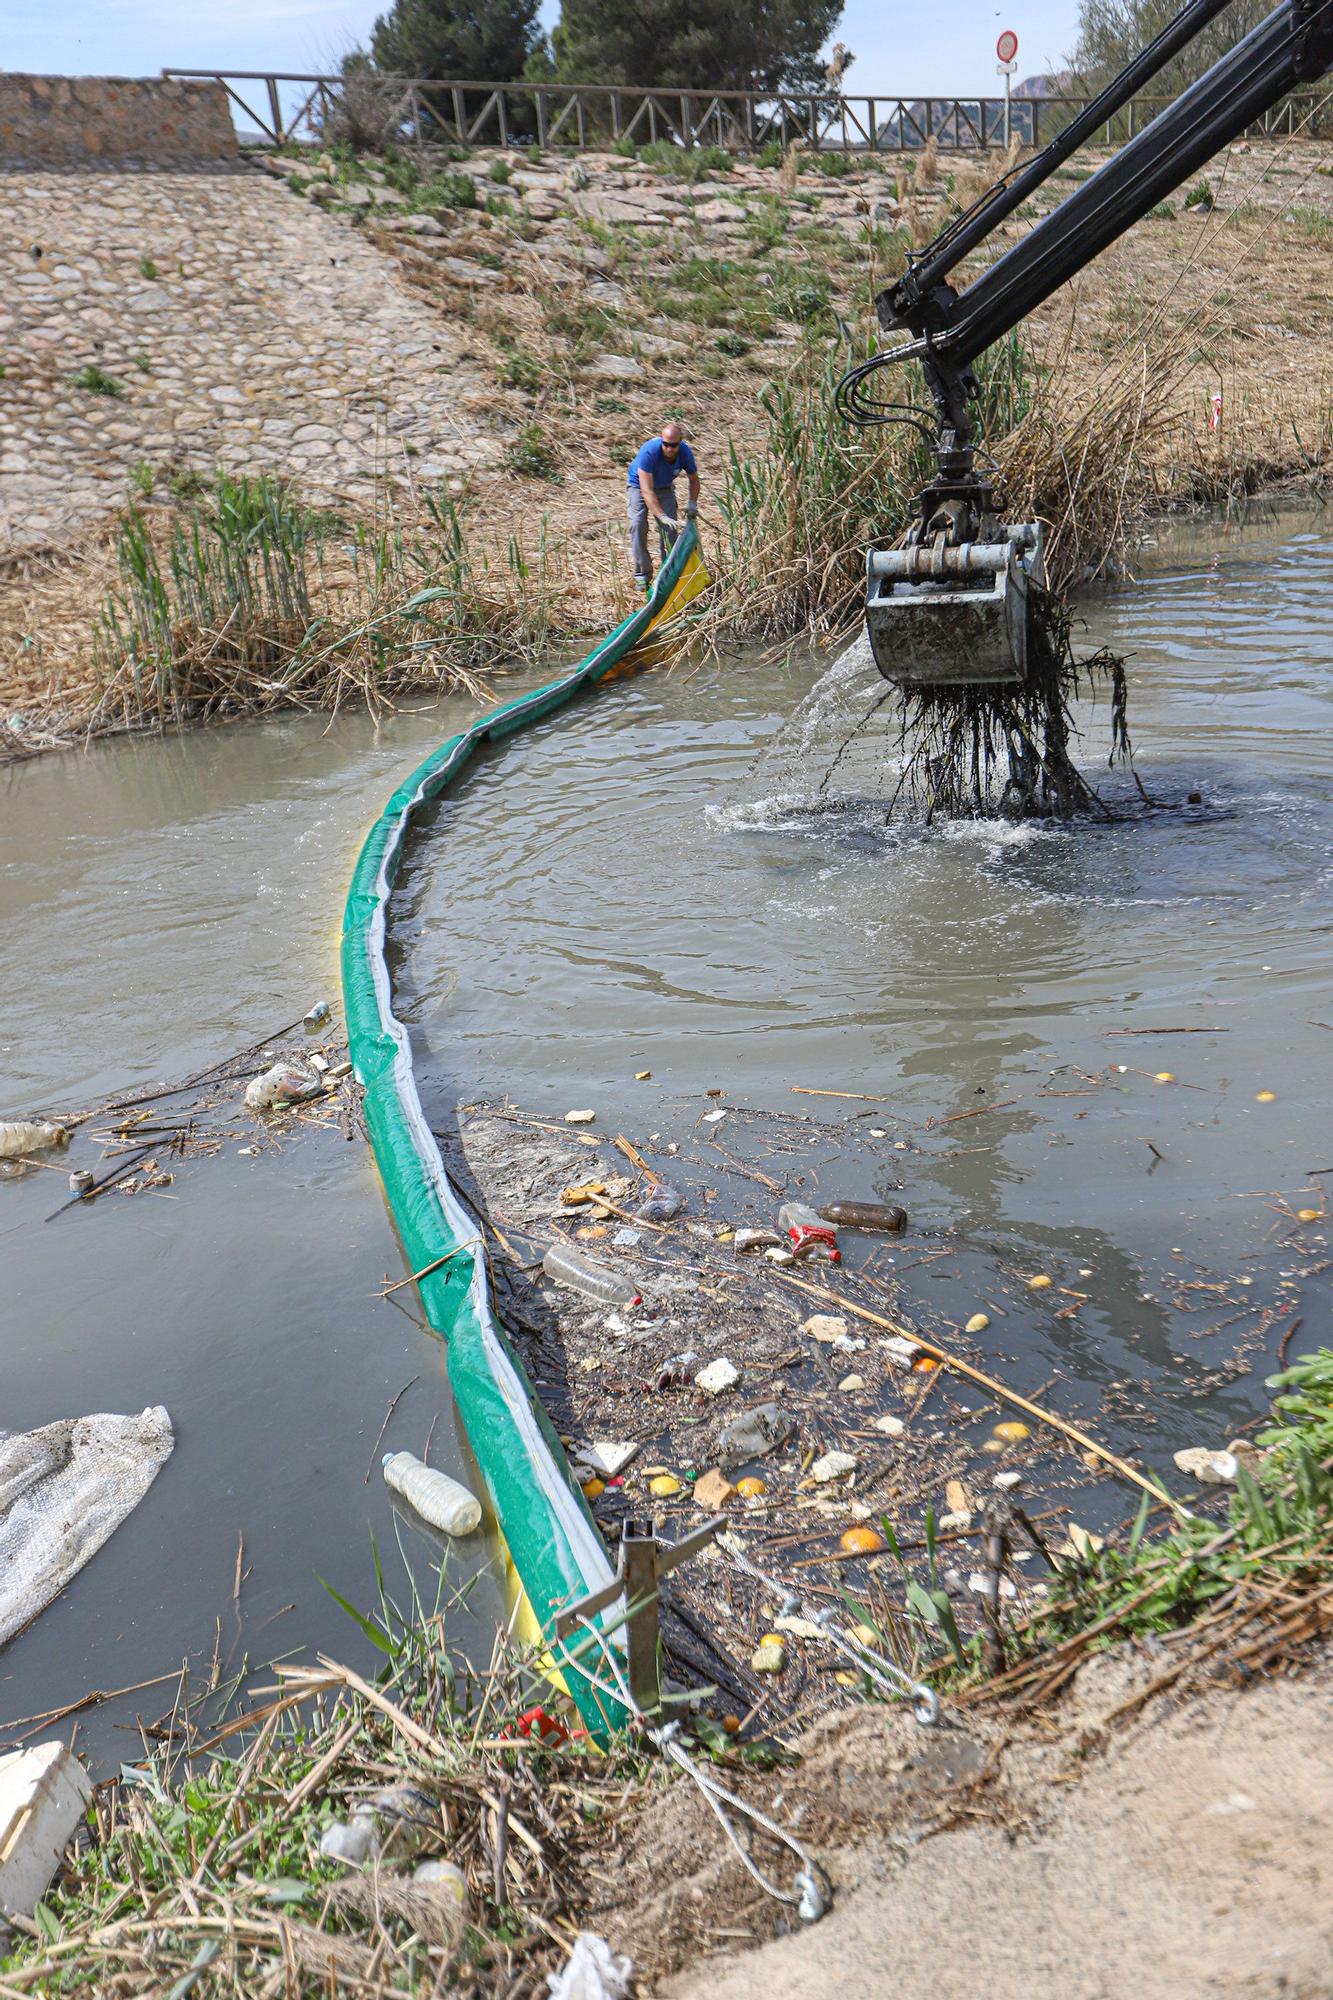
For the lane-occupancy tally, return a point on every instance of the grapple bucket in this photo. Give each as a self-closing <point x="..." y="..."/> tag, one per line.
<point x="953" y="615"/>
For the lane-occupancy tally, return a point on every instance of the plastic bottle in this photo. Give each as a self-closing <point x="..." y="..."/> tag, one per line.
<point x="885" y="1215"/>
<point x="29" y="1135"/>
<point x="581" y="1274"/>
<point x="435" y="1496"/>
<point x="284" y="1083"/>
<point x="807" y="1232"/>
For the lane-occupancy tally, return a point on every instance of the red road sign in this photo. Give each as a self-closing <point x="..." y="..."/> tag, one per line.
<point x="1007" y="46"/>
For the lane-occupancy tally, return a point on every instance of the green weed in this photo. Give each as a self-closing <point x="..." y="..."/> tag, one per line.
<point x="531" y="455"/>
<point x="1201" y="195"/>
<point x="1315" y="223"/>
<point x="147" y="268"/>
<point x="501" y="171"/>
<point x="521" y="370"/>
<point x="97" y="382"/>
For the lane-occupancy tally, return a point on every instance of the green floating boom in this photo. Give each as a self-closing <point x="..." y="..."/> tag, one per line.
<point x="557" y="1548"/>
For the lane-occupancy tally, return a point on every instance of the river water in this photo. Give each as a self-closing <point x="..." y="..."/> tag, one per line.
<point x="655" y="881"/>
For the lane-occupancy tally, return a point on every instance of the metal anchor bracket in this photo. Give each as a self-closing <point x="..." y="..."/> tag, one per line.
<point x="643" y="1560"/>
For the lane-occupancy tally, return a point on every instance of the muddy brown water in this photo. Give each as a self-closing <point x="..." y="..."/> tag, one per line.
<point x="656" y="881"/>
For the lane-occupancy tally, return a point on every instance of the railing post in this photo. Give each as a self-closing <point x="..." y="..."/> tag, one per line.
<point x="457" y="97"/>
<point x="615" y="114"/>
<point x="578" y="114"/>
<point x="539" y="101"/>
<point x="686" y="122"/>
<point x="873" y="126"/>
<point x="275" y="108"/>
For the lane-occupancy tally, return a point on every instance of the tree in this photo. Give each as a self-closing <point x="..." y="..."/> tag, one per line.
<point x="696" y="44"/>
<point x="1110" y="32"/>
<point x="483" y="41"/>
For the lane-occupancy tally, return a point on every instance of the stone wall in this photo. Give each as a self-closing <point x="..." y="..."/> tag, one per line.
<point x="80" y="120"/>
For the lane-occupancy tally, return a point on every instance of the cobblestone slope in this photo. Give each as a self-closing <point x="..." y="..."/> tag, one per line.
<point x="243" y="329"/>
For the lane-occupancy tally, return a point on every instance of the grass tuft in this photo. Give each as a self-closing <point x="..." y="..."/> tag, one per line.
<point x="97" y="382"/>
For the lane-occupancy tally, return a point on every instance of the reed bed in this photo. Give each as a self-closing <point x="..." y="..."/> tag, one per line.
<point x="200" y="1870"/>
<point x="1232" y="1598"/>
<point x="255" y="601"/>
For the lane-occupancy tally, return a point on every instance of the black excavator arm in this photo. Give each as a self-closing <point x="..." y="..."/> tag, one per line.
<point x="947" y="329"/>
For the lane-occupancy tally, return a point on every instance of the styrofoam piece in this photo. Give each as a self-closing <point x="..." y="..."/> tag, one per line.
<point x="43" y="1792"/>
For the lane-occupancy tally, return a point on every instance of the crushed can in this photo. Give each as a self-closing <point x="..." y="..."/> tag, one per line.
<point x="808" y="1233"/>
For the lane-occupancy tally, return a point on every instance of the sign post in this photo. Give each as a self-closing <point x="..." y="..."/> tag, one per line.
<point x="1006" y="48"/>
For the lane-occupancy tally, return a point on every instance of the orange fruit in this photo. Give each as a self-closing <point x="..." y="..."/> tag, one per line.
<point x="923" y="1364"/>
<point x="861" y="1542"/>
<point x="750" y="1488"/>
<point x="593" y="1488"/>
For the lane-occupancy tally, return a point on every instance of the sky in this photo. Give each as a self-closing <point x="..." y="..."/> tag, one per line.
<point x="944" y="49"/>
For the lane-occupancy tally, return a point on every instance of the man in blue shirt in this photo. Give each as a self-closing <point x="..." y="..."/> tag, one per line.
<point x="653" y="472"/>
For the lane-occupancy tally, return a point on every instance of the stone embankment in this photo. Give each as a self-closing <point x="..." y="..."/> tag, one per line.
<point x="178" y="320"/>
<point x="187" y="320"/>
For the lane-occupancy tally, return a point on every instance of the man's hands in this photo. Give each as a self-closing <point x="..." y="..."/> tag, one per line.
<point x="691" y="511"/>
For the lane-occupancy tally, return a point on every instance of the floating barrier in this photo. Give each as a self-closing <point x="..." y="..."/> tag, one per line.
<point x="556" y="1546"/>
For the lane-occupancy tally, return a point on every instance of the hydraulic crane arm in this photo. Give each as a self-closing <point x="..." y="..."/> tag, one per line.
<point x="956" y="552"/>
<point x="1293" y="46"/>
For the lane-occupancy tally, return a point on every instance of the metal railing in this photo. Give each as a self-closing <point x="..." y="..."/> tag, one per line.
<point x="591" y="116"/>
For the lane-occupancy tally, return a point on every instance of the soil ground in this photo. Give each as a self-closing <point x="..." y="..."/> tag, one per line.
<point x="1189" y="1855"/>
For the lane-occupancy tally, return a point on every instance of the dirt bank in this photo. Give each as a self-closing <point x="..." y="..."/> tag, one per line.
<point x="1190" y="1854"/>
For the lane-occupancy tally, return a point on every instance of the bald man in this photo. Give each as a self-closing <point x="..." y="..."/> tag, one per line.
<point x="653" y="472"/>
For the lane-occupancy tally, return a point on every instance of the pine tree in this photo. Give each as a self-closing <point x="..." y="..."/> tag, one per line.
<point x="486" y="41"/>
<point x="696" y="44"/>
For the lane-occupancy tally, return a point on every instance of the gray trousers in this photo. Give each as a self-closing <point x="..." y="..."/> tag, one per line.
<point x="639" y="518"/>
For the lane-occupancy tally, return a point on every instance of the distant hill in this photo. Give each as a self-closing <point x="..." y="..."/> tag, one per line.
<point x="1061" y="84"/>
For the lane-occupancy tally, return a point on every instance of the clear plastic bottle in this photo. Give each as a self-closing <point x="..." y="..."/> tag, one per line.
<point x="19" y="1136"/>
<point x="435" y="1496"/>
<point x="582" y="1274"/>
